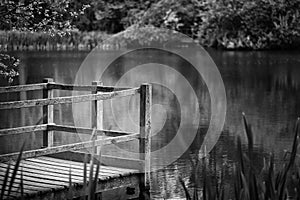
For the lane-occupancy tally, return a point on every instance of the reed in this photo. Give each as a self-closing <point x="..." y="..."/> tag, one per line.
<point x="89" y="184"/>
<point x="9" y="180"/>
<point x="247" y="183"/>
<point x="73" y="40"/>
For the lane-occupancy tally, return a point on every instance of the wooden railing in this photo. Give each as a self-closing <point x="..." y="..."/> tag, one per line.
<point x="98" y="94"/>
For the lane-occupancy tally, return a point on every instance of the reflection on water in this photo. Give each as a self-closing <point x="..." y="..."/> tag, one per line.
<point x="264" y="85"/>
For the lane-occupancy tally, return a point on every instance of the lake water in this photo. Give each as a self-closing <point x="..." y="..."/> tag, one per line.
<point x="264" y="85"/>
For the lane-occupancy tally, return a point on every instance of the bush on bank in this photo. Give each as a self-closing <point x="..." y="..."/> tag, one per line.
<point x="254" y="24"/>
<point x="231" y="24"/>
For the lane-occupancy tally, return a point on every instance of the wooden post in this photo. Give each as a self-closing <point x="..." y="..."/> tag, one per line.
<point x="97" y="122"/>
<point x="97" y="112"/>
<point x="145" y="138"/>
<point x="48" y="137"/>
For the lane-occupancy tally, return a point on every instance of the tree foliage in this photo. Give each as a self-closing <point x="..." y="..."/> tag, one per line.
<point x="255" y="24"/>
<point x="180" y="15"/>
<point x="8" y="67"/>
<point x="39" y="15"/>
<point x="53" y="16"/>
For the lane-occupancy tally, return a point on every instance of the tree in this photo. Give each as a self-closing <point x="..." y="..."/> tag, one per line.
<point x="52" y="16"/>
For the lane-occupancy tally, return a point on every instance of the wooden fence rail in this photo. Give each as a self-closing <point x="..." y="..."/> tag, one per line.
<point x="62" y="128"/>
<point x="23" y="88"/>
<point x="25" y="129"/>
<point x="59" y="86"/>
<point x="65" y="100"/>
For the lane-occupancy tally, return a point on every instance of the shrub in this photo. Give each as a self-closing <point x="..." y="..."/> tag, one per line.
<point x="254" y="24"/>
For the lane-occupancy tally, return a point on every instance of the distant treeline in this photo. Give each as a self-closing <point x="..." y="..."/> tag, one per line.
<point x="229" y="24"/>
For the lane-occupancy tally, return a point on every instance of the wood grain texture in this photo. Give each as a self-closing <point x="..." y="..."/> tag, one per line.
<point x="23" y="88"/>
<point x="25" y="129"/>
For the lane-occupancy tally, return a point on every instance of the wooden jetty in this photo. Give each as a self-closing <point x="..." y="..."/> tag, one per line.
<point x="52" y="172"/>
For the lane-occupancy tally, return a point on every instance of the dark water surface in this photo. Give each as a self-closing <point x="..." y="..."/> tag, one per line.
<point x="264" y="85"/>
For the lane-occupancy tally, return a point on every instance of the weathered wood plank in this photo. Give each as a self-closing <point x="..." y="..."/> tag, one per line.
<point x="68" y="147"/>
<point x="22" y="88"/>
<point x="30" y="183"/>
<point x="65" y="100"/>
<point x="13" y="194"/>
<point x="46" y="176"/>
<point x="28" y="187"/>
<point x="88" y="131"/>
<point x="49" y="167"/>
<point x="79" y="168"/>
<point x="25" y="129"/>
<point x="109" y="170"/>
<point x="90" y="88"/>
<point x="39" y="180"/>
<point x="46" y="173"/>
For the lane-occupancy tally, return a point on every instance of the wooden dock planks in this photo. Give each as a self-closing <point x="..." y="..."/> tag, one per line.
<point x="48" y="174"/>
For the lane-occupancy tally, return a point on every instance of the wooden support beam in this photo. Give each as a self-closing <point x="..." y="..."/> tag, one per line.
<point x="145" y="138"/>
<point x="64" y="100"/>
<point x="48" y="136"/>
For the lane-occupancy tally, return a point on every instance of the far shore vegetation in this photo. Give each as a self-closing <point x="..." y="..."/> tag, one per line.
<point x="225" y="24"/>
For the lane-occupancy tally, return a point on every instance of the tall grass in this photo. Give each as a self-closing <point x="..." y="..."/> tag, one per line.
<point x="9" y="181"/>
<point x="89" y="184"/>
<point x="73" y="40"/>
<point x="248" y="184"/>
